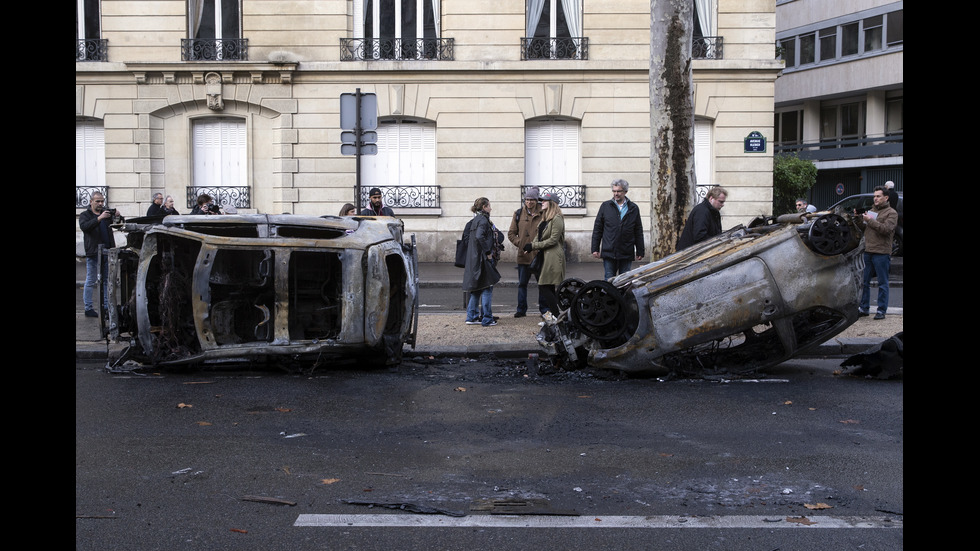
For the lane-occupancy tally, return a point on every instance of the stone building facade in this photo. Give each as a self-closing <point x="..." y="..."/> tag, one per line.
<point x="241" y="99"/>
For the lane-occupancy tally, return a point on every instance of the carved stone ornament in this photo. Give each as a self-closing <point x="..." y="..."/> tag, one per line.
<point x="212" y="87"/>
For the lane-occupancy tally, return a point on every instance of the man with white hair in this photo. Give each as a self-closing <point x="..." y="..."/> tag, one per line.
<point x="892" y="194"/>
<point x="617" y="236"/>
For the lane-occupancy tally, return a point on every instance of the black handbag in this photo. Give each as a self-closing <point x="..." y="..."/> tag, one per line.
<point x="535" y="265"/>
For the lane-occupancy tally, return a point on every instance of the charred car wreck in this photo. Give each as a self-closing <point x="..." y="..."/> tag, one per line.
<point x="282" y="288"/>
<point x="747" y="299"/>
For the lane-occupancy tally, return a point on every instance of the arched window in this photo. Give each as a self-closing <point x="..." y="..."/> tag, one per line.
<point x="89" y="160"/>
<point x="220" y="160"/>
<point x="552" y="154"/>
<point x="406" y="154"/>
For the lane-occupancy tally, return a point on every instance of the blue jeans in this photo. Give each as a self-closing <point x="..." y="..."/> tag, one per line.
<point x="875" y="264"/>
<point x="91" y="279"/>
<point x="523" y="278"/>
<point x="480" y="300"/>
<point x="616" y="267"/>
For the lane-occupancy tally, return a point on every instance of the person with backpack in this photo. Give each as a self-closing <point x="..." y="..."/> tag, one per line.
<point x="523" y="227"/>
<point x="480" y="272"/>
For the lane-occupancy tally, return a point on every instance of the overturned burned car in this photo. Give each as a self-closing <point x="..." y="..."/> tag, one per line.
<point x="282" y="288"/>
<point x="747" y="299"/>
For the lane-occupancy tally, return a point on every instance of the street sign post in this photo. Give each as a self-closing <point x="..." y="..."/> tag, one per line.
<point x="359" y="120"/>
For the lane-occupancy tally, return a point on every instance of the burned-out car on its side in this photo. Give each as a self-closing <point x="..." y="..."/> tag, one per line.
<point x="278" y="288"/>
<point x="747" y="299"/>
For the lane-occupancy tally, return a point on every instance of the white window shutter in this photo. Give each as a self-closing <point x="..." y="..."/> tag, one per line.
<point x="702" y="152"/>
<point x="89" y="154"/>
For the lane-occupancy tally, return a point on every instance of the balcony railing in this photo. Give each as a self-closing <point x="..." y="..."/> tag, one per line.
<point x="92" y="49"/>
<point x="569" y="197"/>
<point x="575" y="47"/>
<point x="707" y="47"/>
<point x="404" y="197"/>
<point x="83" y="195"/>
<point x="214" y="49"/>
<point x="236" y="196"/>
<point x="847" y="148"/>
<point x="401" y="49"/>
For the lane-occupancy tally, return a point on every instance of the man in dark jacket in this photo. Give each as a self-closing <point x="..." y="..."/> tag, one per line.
<point x="376" y="208"/>
<point x="705" y="219"/>
<point x="617" y="236"/>
<point x="523" y="230"/>
<point x="94" y="223"/>
<point x="156" y="205"/>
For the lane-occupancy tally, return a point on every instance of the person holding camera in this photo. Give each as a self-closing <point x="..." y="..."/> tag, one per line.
<point x="205" y="205"/>
<point x="94" y="223"/>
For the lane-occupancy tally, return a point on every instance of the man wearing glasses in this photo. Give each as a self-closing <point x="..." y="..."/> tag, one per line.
<point x="94" y="223"/>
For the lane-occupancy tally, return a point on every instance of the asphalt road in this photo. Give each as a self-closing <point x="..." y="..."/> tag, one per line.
<point x="802" y="459"/>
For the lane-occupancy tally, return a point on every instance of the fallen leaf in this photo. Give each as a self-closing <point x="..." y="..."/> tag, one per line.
<point x="239" y="530"/>
<point x="286" y="470"/>
<point x="817" y="506"/>
<point x="460" y="389"/>
<point x="329" y="480"/>
<point x="204" y="423"/>
<point x="787" y="403"/>
<point x="283" y="410"/>
<point x="585" y="396"/>
<point x="800" y="520"/>
<point x="664" y="454"/>
<point x="850" y="422"/>
<point x="183" y="405"/>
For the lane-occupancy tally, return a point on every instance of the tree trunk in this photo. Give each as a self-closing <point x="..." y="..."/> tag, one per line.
<point x="671" y="121"/>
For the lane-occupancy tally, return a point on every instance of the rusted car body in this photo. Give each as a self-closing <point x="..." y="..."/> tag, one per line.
<point x="747" y="299"/>
<point x="199" y="289"/>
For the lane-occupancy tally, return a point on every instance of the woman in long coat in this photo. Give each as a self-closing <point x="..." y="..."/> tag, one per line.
<point x="551" y="244"/>
<point x="480" y="275"/>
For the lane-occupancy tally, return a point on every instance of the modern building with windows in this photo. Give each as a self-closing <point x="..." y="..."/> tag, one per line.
<point x="240" y="99"/>
<point x="840" y="100"/>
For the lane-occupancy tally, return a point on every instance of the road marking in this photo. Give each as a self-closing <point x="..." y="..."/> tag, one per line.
<point x="657" y="521"/>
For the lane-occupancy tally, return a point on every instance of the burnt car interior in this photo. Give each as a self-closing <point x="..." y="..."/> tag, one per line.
<point x="197" y="290"/>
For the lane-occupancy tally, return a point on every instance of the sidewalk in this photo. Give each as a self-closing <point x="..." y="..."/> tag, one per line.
<point x="438" y="334"/>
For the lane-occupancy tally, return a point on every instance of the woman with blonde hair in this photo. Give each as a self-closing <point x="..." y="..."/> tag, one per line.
<point x="550" y="243"/>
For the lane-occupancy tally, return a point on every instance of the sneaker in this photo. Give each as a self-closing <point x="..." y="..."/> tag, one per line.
<point x="879" y="316"/>
<point x="491" y="324"/>
<point x="862" y="313"/>
<point x="91" y="314"/>
<point x="519" y="315"/>
<point x="472" y="323"/>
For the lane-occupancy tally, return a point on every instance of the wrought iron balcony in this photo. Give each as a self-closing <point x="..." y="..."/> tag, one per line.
<point x="404" y="197"/>
<point x="569" y="197"/>
<point x="236" y="196"/>
<point x="83" y="195"/>
<point x="575" y="47"/>
<point x="402" y="49"/>
<point x="707" y="47"/>
<point x="92" y="49"/>
<point x="214" y="49"/>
